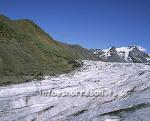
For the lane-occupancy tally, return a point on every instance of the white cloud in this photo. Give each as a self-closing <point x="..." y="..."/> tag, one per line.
<point x="141" y="48"/>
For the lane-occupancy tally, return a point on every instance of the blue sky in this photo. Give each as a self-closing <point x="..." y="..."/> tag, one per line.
<point x="90" y="23"/>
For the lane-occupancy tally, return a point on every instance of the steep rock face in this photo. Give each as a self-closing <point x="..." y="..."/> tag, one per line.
<point x="26" y="50"/>
<point x="138" y="56"/>
<point x="131" y="54"/>
<point x="113" y="56"/>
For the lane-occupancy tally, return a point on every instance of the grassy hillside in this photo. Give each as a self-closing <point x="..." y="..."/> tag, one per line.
<point x="27" y="51"/>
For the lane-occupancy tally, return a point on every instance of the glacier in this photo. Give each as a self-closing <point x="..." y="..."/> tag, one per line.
<point x="126" y="87"/>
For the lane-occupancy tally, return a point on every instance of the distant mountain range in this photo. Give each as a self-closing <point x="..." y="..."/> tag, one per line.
<point x="131" y="54"/>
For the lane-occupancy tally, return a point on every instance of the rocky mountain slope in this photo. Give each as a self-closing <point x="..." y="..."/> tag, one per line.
<point x="123" y="87"/>
<point x="27" y="51"/>
<point x="131" y="54"/>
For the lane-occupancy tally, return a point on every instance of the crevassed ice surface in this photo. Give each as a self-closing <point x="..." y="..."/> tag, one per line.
<point x="126" y="87"/>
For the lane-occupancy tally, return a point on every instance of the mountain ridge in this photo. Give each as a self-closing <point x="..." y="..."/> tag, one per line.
<point x="27" y="51"/>
<point x="130" y="54"/>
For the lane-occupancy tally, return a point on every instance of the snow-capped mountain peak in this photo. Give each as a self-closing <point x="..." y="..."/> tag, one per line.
<point x="135" y="54"/>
